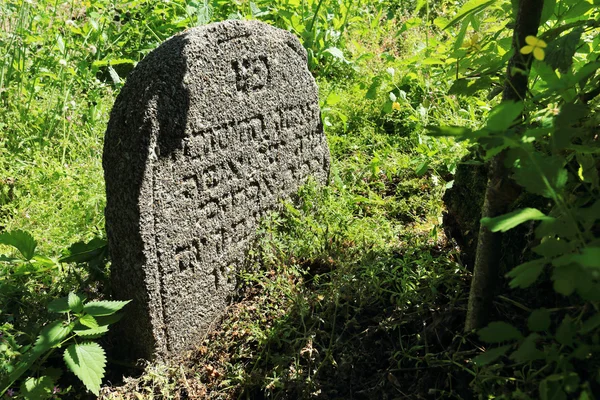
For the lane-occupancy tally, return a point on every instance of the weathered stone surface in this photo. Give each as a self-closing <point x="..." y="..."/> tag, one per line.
<point x="210" y="130"/>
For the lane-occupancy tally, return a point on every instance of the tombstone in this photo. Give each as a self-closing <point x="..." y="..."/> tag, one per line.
<point x="209" y="132"/>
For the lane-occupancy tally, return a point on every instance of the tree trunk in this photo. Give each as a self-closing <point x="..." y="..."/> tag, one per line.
<point x="501" y="192"/>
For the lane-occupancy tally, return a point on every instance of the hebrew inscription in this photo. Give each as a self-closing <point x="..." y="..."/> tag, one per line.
<point x="210" y="131"/>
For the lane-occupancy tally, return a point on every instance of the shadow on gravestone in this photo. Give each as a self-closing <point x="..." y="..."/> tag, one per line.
<point x="210" y="131"/>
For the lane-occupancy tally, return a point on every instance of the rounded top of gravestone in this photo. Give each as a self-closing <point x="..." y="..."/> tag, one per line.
<point x="224" y="71"/>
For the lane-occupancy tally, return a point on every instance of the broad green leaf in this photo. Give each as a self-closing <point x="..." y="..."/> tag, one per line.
<point x="373" y="88"/>
<point x="570" y="114"/>
<point x="470" y="7"/>
<point x="52" y="335"/>
<point x="566" y="226"/>
<point x="560" y="52"/>
<point x="571" y="382"/>
<point x="22" y="241"/>
<point x="336" y="53"/>
<point x="60" y="305"/>
<point x="551" y="389"/>
<point x="75" y="302"/>
<point x="528" y="351"/>
<point x="589" y="258"/>
<point x="590" y="325"/>
<point x="87" y="361"/>
<point x="499" y="331"/>
<point x="37" y="388"/>
<point x="582" y="351"/>
<point x="552" y="247"/>
<point x="461" y="34"/>
<point x="89" y="321"/>
<point x="548" y="10"/>
<point x="92" y="332"/>
<point x="504" y="115"/>
<point x="564" y="280"/>
<point x="491" y="355"/>
<point x="566" y="331"/>
<point x="82" y="252"/>
<point x="578" y="10"/>
<point x="508" y="221"/>
<point x="539" y="320"/>
<point x="43" y="261"/>
<point x="538" y="173"/>
<point x="109" y="319"/>
<point x="422" y="168"/>
<point x="526" y="274"/>
<point x="104" y="307"/>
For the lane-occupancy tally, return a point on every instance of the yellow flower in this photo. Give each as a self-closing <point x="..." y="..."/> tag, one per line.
<point x="396" y="106"/>
<point x="536" y="46"/>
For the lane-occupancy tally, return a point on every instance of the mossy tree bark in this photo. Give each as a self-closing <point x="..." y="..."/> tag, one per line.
<point x="501" y="191"/>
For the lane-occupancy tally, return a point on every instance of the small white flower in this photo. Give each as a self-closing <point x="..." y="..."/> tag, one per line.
<point x="63" y="62"/>
<point x="93" y="50"/>
<point x="435" y="180"/>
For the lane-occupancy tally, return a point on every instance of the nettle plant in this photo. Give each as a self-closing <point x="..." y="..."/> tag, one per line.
<point x="81" y="322"/>
<point x="546" y="141"/>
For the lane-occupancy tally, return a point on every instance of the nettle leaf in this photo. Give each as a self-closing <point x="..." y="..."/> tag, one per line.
<point x="548" y="10"/>
<point x="528" y="350"/>
<point x="92" y="332"/>
<point x="565" y="225"/>
<point x="22" y="241"/>
<point x="37" y="388"/>
<point x="89" y="321"/>
<point x="504" y="115"/>
<point x="87" y="361"/>
<point x="588" y="258"/>
<point x="566" y="331"/>
<point x="570" y="114"/>
<point x="499" y="331"/>
<point x="590" y="325"/>
<point x="560" y="52"/>
<point x="508" y="221"/>
<point x="526" y="274"/>
<point x="53" y="334"/>
<point x="491" y="355"/>
<point x="60" y="305"/>
<point x="539" y="320"/>
<point x="539" y="174"/>
<point x="551" y="388"/>
<point x="104" y="307"/>
<point x="552" y="247"/>
<point x="109" y="319"/>
<point x="83" y="252"/>
<point x="589" y="215"/>
<point x="75" y="302"/>
<point x="564" y="280"/>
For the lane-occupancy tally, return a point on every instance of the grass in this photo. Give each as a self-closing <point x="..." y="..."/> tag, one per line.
<point x="352" y="291"/>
